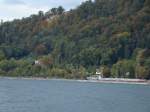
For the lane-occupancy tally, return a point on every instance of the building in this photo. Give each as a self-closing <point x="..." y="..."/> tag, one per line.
<point x="38" y="62"/>
<point x="98" y="75"/>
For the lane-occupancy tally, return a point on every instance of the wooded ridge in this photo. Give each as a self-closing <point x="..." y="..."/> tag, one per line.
<point x="109" y="34"/>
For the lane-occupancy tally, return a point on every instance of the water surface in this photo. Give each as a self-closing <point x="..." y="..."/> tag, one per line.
<point x="71" y="96"/>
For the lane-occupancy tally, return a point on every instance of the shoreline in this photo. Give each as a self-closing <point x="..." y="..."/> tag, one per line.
<point x="105" y="80"/>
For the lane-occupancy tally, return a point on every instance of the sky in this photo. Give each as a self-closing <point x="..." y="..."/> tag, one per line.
<point x="16" y="9"/>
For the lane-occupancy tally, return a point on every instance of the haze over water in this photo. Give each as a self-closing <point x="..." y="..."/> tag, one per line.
<point x="72" y="96"/>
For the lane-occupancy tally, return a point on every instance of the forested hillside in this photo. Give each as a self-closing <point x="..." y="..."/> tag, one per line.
<point x="113" y="35"/>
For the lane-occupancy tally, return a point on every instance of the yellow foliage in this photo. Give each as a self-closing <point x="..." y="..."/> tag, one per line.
<point x="124" y="34"/>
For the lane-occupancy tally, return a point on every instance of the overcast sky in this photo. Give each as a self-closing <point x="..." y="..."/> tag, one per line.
<point x="10" y="9"/>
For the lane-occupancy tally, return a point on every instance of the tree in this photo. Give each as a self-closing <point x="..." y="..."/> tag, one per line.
<point x="2" y="55"/>
<point x="8" y="65"/>
<point x="140" y="57"/>
<point x="124" y="69"/>
<point x="47" y="60"/>
<point x="60" y="10"/>
<point x="142" y="72"/>
<point x="54" y="11"/>
<point x="106" y="71"/>
<point x="142" y="66"/>
<point x="40" y="49"/>
<point x="41" y="13"/>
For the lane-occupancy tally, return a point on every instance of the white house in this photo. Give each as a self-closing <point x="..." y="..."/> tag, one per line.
<point x="37" y="62"/>
<point x="98" y="75"/>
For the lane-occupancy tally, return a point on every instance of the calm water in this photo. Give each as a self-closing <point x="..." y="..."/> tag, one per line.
<point x="72" y="96"/>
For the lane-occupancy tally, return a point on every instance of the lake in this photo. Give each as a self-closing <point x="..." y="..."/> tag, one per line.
<point x="19" y="95"/>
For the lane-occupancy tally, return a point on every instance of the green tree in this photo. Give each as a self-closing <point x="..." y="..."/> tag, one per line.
<point x="106" y="71"/>
<point x="8" y="65"/>
<point x="142" y="72"/>
<point x="60" y="10"/>
<point x="124" y="69"/>
<point x="2" y="55"/>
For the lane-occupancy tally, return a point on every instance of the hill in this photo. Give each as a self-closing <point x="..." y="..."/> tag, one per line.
<point x="112" y="35"/>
